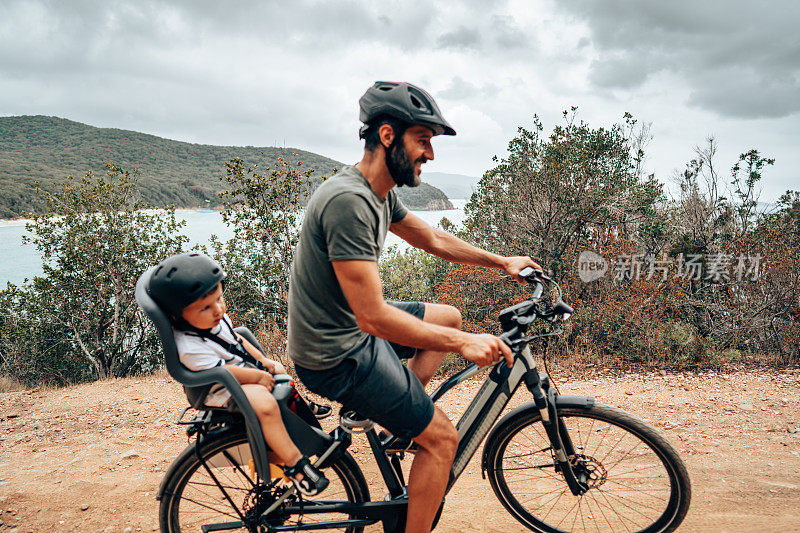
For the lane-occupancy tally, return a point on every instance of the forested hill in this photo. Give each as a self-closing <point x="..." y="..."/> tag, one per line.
<point x="47" y="149"/>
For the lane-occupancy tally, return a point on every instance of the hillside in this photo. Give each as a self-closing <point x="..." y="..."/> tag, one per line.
<point x="47" y="149"/>
<point x="453" y="185"/>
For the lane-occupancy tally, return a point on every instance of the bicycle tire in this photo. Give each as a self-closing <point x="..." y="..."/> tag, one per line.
<point x="627" y="459"/>
<point x="191" y="498"/>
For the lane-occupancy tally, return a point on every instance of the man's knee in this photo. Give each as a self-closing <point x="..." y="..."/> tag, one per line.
<point x="440" y="437"/>
<point x="454" y="317"/>
<point x="443" y="315"/>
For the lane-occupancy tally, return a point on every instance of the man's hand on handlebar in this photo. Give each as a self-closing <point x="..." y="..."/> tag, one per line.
<point x="485" y="350"/>
<point x="515" y="264"/>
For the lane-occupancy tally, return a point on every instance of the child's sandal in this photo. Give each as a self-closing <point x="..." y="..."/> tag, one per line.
<point x="313" y="481"/>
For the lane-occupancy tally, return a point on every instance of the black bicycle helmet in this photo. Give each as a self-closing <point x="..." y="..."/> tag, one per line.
<point x="402" y="101"/>
<point x="183" y="279"/>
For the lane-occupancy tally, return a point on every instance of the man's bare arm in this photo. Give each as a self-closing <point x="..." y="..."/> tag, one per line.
<point x="361" y="285"/>
<point x="420" y="234"/>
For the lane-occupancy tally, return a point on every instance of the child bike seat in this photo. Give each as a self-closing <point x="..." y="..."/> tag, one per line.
<point x="310" y="440"/>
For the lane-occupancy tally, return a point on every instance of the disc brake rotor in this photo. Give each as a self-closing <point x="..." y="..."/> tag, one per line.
<point x="589" y="470"/>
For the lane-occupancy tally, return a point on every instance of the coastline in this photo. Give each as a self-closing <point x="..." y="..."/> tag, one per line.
<point x="23" y="261"/>
<point x="21" y="221"/>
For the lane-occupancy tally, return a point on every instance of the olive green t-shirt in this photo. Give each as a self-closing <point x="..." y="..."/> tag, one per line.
<point x="344" y="220"/>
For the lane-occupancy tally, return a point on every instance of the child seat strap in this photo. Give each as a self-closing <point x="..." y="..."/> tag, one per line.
<point x="236" y="349"/>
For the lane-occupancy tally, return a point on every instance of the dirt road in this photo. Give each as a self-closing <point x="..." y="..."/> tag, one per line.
<point x="90" y="457"/>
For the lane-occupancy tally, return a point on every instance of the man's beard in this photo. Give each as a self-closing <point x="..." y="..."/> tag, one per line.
<point x="400" y="166"/>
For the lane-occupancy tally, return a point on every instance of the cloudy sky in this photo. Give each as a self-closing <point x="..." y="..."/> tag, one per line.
<point x="281" y="73"/>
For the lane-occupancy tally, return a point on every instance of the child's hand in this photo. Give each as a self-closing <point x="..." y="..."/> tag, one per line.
<point x="278" y="368"/>
<point x="267" y="380"/>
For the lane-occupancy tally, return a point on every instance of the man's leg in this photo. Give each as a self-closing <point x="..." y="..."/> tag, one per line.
<point x="425" y="362"/>
<point x="430" y="472"/>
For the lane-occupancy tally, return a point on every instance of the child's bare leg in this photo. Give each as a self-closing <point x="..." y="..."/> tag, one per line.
<point x="307" y="478"/>
<point x="269" y="416"/>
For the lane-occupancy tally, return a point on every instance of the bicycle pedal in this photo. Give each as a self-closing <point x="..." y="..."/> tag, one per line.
<point x="352" y="422"/>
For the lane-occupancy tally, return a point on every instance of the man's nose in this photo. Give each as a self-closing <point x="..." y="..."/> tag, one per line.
<point x="428" y="153"/>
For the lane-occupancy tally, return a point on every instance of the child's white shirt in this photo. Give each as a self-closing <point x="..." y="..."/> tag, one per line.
<point x="197" y="353"/>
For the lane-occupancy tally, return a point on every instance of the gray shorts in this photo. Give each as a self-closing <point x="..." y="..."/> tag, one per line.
<point x="372" y="381"/>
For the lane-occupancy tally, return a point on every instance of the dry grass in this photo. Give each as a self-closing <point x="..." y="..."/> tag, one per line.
<point x="8" y="384"/>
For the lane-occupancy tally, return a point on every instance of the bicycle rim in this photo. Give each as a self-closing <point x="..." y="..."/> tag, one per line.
<point x="193" y="499"/>
<point x="637" y="480"/>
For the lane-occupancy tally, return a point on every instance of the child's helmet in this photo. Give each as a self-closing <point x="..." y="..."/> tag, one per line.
<point x="183" y="279"/>
<point x="402" y="101"/>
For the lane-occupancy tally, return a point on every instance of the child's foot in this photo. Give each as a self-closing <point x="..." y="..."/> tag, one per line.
<point x="320" y="411"/>
<point x="306" y="477"/>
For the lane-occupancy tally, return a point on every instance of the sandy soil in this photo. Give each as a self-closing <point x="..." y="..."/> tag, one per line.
<point x="90" y="457"/>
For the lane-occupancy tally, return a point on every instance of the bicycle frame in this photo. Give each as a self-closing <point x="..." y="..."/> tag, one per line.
<point x="473" y="426"/>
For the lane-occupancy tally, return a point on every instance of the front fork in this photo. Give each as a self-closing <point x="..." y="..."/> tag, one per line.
<point x="545" y="399"/>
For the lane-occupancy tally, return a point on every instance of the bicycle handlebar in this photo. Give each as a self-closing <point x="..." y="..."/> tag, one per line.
<point x="518" y="317"/>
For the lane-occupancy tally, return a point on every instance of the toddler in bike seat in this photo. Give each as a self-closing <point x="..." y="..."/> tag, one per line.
<point x="189" y="288"/>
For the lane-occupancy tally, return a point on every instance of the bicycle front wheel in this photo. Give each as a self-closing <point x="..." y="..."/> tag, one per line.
<point x="637" y="481"/>
<point x="194" y="498"/>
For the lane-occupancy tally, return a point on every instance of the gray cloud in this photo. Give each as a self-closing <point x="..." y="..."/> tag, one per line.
<point x="621" y="71"/>
<point x="460" y="89"/>
<point x="738" y="58"/>
<point x="462" y="37"/>
<point x="69" y="33"/>
<point x="507" y="35"/>
<point x="747" y="93"/>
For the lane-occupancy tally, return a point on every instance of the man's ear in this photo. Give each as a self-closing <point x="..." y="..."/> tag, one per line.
<point x="386" y="135"/>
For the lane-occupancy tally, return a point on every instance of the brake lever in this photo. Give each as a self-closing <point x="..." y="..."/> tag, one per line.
<point x="530" y="274"/>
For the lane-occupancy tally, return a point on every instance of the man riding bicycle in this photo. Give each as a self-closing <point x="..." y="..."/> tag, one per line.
<point x="346" y="341"/>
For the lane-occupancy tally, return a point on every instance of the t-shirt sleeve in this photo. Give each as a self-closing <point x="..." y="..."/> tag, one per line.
<point x="349" y="226"/>
<point x="399" y="210"/>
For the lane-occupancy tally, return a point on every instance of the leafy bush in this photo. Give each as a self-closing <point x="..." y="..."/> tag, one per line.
<point x="264" y="209"/>
<point x="79" y="320"/>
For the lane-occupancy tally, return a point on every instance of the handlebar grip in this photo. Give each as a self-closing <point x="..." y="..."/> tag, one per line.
<point x="529" y="273"/>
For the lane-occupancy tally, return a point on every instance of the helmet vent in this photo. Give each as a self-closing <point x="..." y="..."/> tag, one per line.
<point x="171" y="272"/>
<point x="195" y="287"/>
<point x="215" y="271"/>
<point x="419" y="101"/>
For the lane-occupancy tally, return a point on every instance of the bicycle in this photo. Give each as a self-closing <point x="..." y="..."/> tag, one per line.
<point x="556" y="463"/>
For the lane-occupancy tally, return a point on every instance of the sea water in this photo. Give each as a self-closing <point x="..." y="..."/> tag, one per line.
<point x="19" y="261"/>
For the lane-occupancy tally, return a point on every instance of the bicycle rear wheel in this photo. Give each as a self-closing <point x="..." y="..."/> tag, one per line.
<point x="637" y="480"/>
<point x="192" y="499"/>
